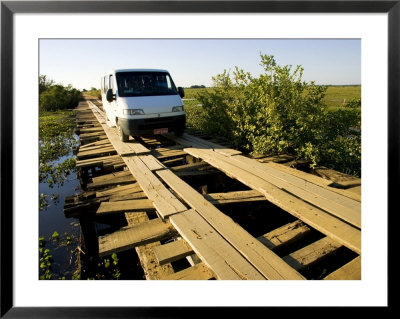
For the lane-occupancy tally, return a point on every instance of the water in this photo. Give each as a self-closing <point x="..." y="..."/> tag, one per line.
<point x="52" y="219"/>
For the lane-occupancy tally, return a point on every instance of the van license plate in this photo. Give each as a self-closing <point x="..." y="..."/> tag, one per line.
<point x="160" y="130"/>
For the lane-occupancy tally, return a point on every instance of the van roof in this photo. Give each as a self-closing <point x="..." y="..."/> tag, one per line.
<point x="139" y="70"/>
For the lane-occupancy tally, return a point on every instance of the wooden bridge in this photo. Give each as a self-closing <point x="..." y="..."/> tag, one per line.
<point x="228" y="215"/>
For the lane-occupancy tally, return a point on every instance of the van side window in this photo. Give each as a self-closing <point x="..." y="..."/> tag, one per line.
<point x="111" y="86"/>
<point x="105" y="84"/>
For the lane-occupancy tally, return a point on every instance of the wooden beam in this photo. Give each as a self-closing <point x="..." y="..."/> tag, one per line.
<point x="350" y="271"/>
<point x="196" y="272"/>
<point x="130" y="237"/>
<point x="285" y="235"/>
<point x="118" y="179"/>
<point x="334" y="203"/>
<point x="125" y="189"/>
<point x="152" y="270"/>
<point x="262" y="258"/>
<point x="311" y="215"/>
<point x="322" y="182"/>
<point x="219" y="199"/>
<point x="172" y="251"/>
<point x="164" y="201"/>
<point x="213" y="250"/>
<point x="135" y="205"/>
<point x="312" y="253"/>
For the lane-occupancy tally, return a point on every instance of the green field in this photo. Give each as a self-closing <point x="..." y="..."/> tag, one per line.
<point x="335" y="95"/>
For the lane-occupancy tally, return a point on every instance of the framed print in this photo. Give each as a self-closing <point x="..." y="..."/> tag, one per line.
<point x="36" y="32"/>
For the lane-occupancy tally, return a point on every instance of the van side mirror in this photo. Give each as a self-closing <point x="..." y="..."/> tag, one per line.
<point x="110" y="96"/>
<point x="181" y="92"/>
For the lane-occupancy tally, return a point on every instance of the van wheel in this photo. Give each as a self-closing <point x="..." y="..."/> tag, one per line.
<point x="122" y="136"/>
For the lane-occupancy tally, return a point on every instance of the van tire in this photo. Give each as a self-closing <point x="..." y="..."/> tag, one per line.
<point x="122" y="136"/>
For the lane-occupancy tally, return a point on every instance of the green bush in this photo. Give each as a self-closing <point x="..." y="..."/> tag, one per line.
<point x="278" y="113"/>
<point x="54" y="97"/>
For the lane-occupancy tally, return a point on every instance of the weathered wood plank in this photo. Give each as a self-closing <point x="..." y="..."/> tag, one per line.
<point x="311" y="215"/>
<point x="129" y="196"/>
<point x="213" y="250"/>
<point x="262" y="258"/>
<point x="172" y="251"/>
<point x="219" y="199"/>
<point x="350" y="271"/>
<point x="312" y="253"/>
<point x="135" y="205"/>
<point x="130" y="237"/>
<point x="164" y="201"/>
<point x="125" y="189"/>
<point x="190" y="167"/>
<point x="111" y="176"/>
<point x="192" y="141"/>
<point x="196" y="272"/>
<point x="284" y="235"/>
<point x="100" y="161"/>
<point x="117" y="180"/>
<point x="95" y="153"/>
<point x="322" y="182"/>
<point x="152" y="270"/>
<point x="338" y="205"/>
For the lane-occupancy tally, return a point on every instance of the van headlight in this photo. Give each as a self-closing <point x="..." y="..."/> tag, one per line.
<point x="133" y="112"/>
<point x="177" y="109"/>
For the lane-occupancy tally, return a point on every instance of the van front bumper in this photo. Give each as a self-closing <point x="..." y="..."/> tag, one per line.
<point x="135" y="127"/>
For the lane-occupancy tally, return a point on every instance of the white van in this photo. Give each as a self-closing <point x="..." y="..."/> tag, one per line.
<point x="143" y="101"/>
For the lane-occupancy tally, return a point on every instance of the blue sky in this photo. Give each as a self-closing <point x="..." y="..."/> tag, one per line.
<point x="195" y="61"/>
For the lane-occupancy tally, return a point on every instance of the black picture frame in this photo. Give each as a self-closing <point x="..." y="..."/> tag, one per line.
<point x="9" y="8"/>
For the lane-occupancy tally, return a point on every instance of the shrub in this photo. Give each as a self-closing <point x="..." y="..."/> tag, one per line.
<point x="279" y="113"/>
<point x="57" y="97"/>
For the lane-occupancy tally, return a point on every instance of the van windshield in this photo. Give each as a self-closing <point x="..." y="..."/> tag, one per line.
<point x="145" y="84"/>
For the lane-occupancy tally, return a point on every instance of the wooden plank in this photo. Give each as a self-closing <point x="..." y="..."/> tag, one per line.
<point x="136" y="205"/>
<point x="213" y="250"/>
<point x="111" y="176"/>
<point x="174" y="161"/>
<point x="343" y="207"/>
<point x="164" y="201"/>
<point x="96" y="153"/>
<point x="350" y="271"/>
<point x="101" y="143"/>
<point x="234" y="197"/>
<point x="129" y="196"/>
<point x="135" y="187"/>
<point x="132" y="236"/>
<point x="309" y="183"/>
<point x="118" y="180"/>
<point x="262" y="258"/>
<point x="172" y="251"/>
<point x="191" y="141"/>
<point x="311" y="215"/>
<point x="170" y="154"/>
<point x="152" y="270"/>
<point x="190" y="167"/>
<point x="196" y="272"/>
<point x="284" y="235"/>
<point x="322" y="182"/>
<point x="216" y="147"/>
<point x="312" y="253"/>
<point x="100" y="161"/>
<point x="151" y="162"/>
